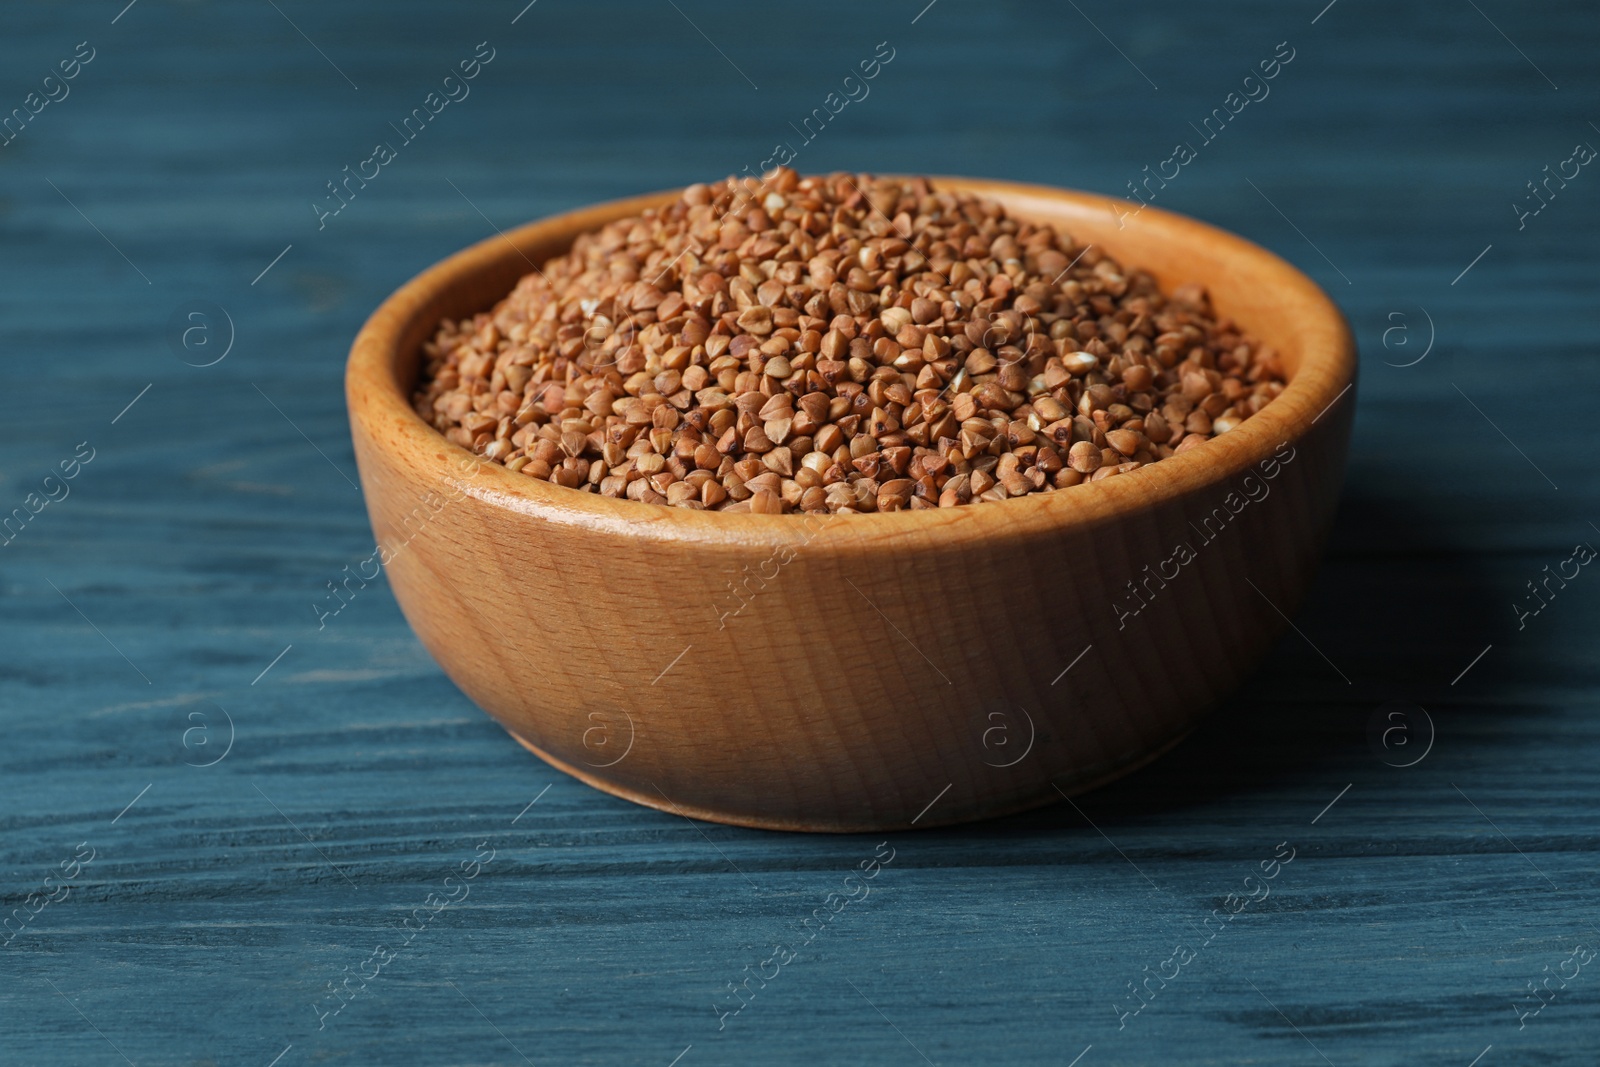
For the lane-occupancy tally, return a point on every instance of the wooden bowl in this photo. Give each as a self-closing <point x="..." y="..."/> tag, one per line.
<point x="864" y="672"/>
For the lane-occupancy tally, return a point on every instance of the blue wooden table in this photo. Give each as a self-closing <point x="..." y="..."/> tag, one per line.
<point x="233" y="837"/>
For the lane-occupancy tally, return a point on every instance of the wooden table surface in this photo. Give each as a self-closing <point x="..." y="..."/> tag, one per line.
<point x="1424" y="750"/>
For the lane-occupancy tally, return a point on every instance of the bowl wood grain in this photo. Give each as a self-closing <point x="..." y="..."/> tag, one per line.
<point x="864" y="672"/>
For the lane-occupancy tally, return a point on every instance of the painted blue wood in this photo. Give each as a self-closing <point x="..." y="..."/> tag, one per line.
<point x="201" y="914"/>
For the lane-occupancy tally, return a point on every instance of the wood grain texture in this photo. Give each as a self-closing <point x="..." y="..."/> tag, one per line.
<point x="206" y="929"/>
<point x="797" y="701"/>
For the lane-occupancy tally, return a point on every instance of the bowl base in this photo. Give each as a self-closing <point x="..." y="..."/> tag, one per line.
<point x="660" y="801"/>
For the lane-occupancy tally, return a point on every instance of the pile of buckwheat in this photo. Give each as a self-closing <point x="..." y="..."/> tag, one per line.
<point x="837" y="344"/>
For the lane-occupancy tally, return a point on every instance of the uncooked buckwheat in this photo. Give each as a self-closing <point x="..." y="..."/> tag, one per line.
<point x="837" y="344"/>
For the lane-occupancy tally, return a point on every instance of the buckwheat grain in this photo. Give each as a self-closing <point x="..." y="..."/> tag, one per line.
<point x="837" y="344"/>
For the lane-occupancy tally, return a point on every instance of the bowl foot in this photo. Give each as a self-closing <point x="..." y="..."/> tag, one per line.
<point x="660" y="802"/>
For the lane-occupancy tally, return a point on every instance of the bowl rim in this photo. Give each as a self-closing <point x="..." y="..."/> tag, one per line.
<point x="375" y="398"/>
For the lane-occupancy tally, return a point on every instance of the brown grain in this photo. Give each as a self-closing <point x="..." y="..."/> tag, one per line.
<point x="837" y="344"/>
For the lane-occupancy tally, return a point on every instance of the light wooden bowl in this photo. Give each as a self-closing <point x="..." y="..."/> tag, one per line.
<point x="913" y="668"/>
